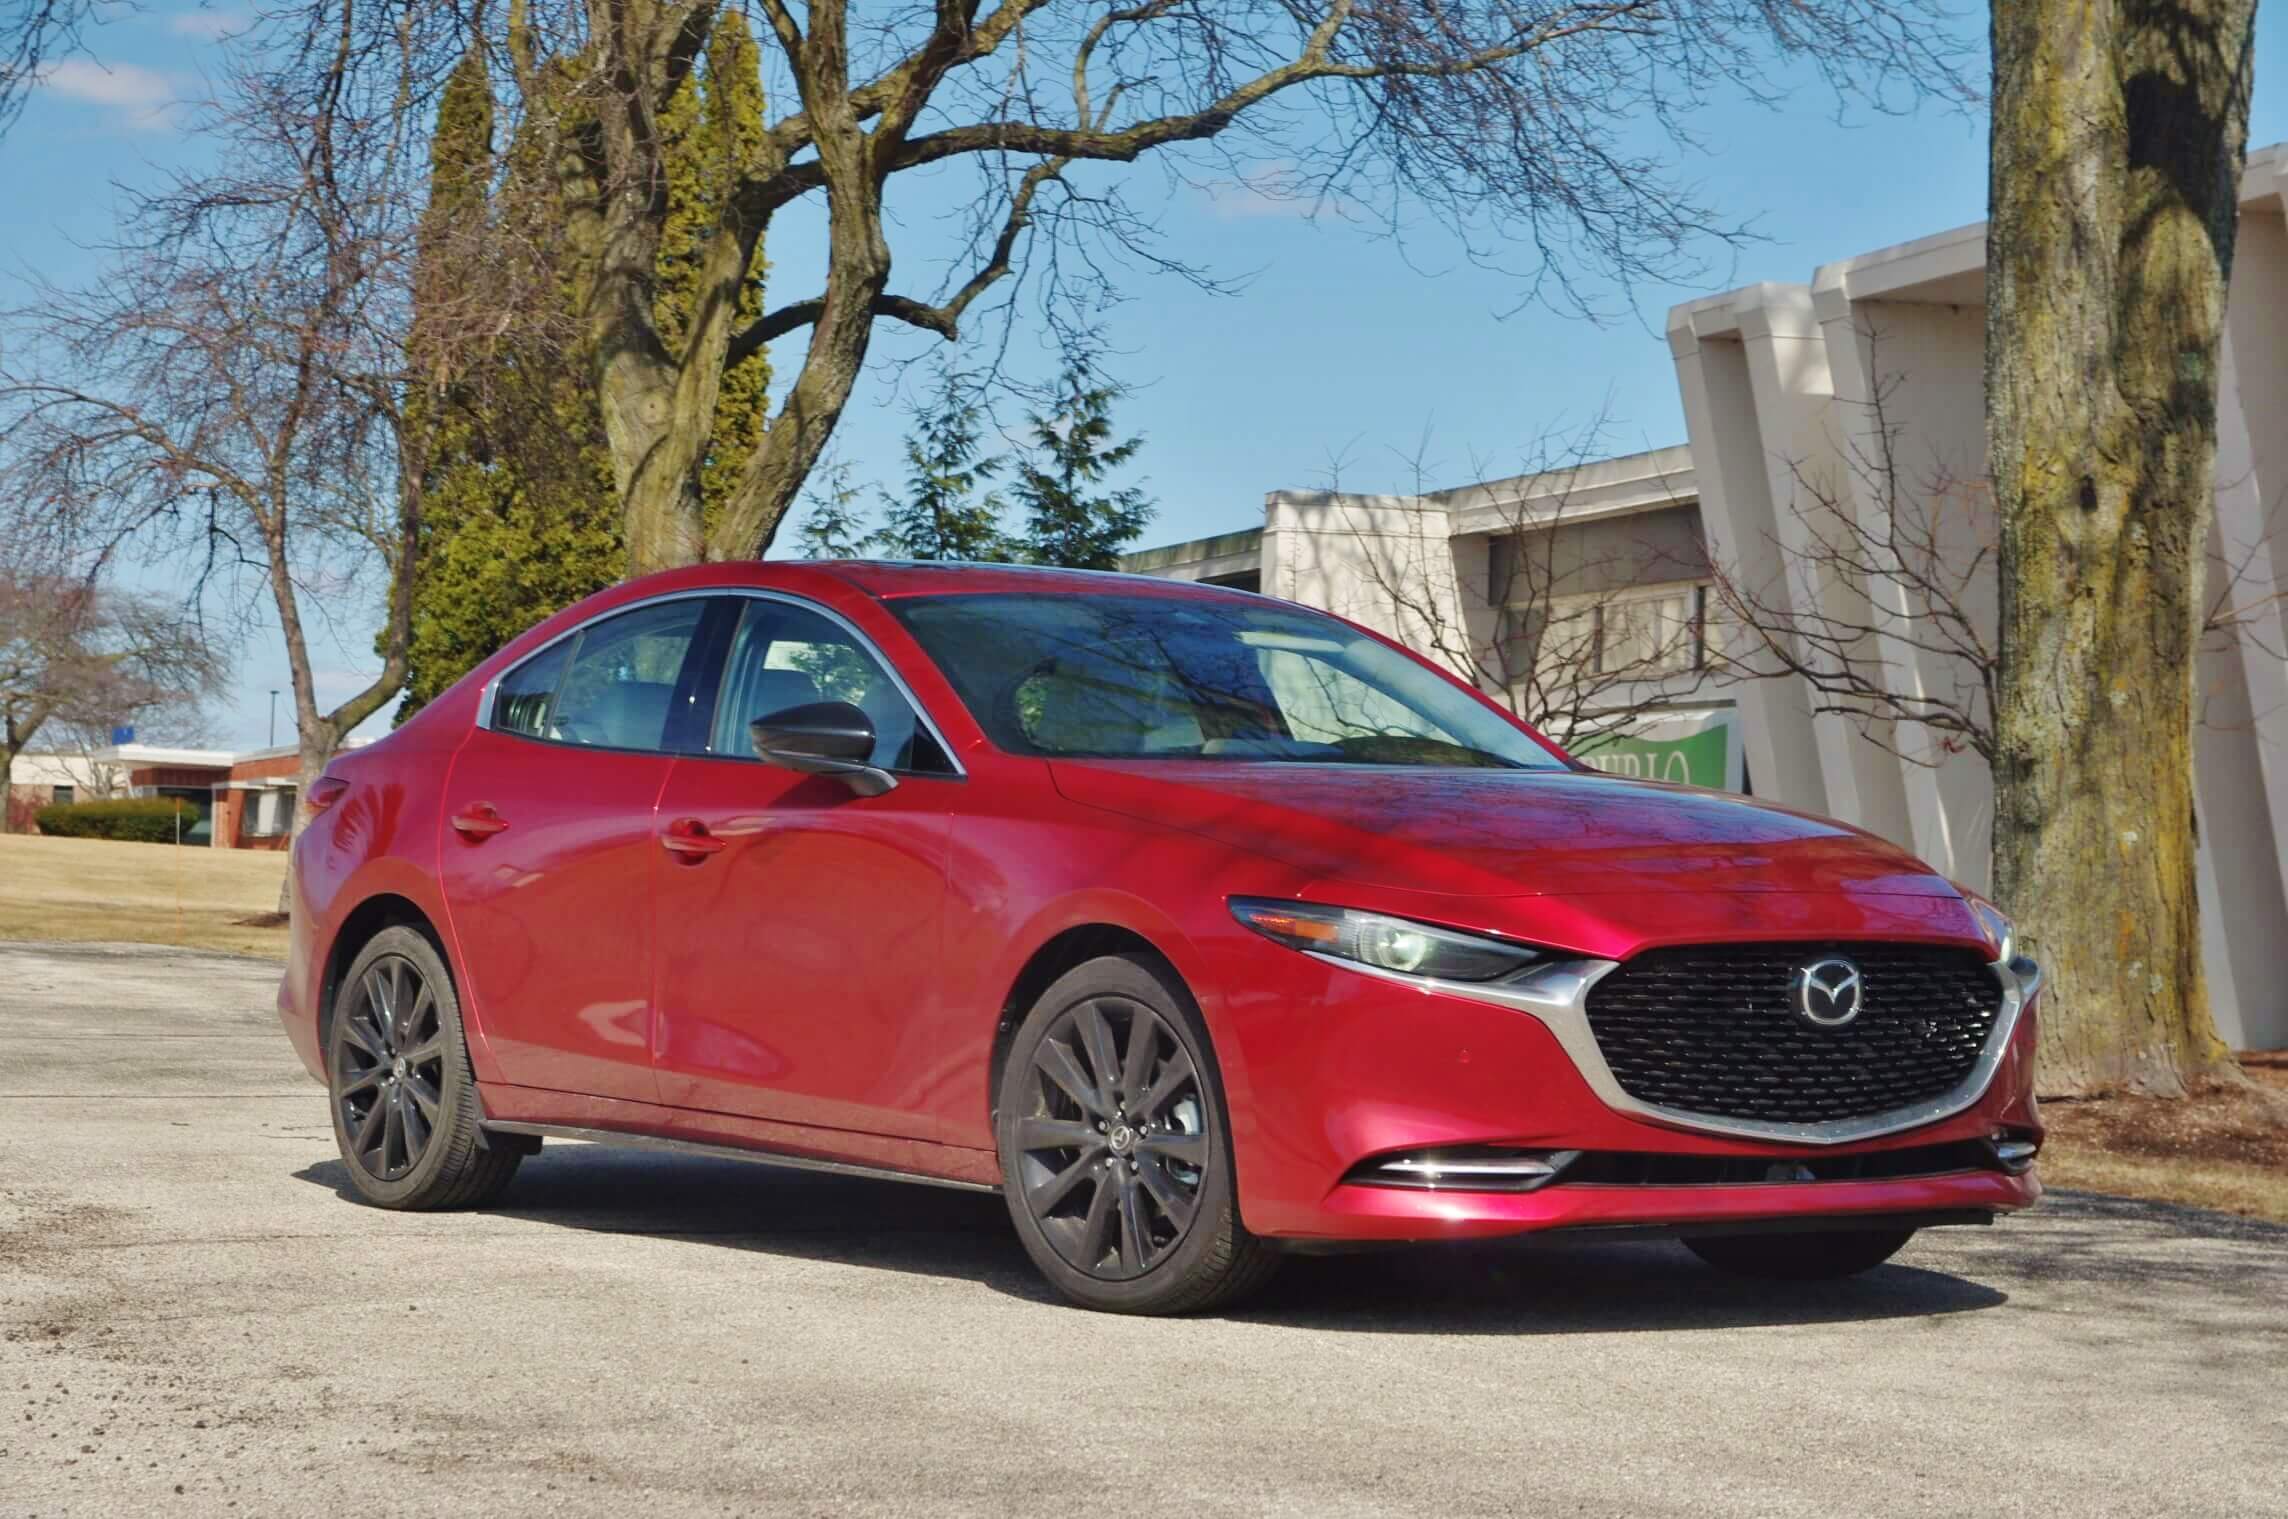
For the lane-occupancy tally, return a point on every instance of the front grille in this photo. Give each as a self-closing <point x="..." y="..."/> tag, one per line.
<point x="1709" y="1029"/>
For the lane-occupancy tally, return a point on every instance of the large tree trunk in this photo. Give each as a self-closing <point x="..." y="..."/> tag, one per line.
<point x="2118" y="134"/>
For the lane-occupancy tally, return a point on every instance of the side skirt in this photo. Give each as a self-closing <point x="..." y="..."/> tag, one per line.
<point x="634" y="1141"/>
<point x="534" y="1113"/>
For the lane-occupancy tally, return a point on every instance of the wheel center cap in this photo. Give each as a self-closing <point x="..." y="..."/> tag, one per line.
<point x="397" y="1066"/>
<point x="1122" y="1139"/>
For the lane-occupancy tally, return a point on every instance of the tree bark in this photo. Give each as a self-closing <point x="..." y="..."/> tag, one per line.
<point x="2118" y="135"/>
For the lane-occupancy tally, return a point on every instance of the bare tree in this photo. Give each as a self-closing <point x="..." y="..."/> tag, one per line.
<point x="1510" y="123"/>
<point x="235" y="398"/>
<point x="1888" y="613"/>
<point x="78" y="659"/>
<point x="1885" y="609"/>
<point x="1585" y="624"/>
<point x="34" y="34"/>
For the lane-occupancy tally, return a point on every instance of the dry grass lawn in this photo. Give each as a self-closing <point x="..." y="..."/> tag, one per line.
<point x="139" y="893"/>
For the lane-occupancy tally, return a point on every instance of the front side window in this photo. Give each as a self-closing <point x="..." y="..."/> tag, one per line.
<point x="1170" y="677"/>
<point x="786" y="656"/>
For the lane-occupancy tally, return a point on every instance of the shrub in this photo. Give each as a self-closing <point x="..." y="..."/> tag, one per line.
<point x="142" y="819"/>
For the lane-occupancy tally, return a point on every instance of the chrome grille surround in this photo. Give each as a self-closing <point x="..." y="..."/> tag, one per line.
<point x="1556" y="992"/>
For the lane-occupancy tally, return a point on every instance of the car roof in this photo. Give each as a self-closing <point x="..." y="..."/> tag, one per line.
<point x="891" y="579"/>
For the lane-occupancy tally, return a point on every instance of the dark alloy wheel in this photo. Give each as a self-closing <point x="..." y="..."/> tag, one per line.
<point x="405" y="1107"/>
<point x="1115" y="1159"/>
<point x="389" y="1067"/>
<point x="1807" y="1257"/>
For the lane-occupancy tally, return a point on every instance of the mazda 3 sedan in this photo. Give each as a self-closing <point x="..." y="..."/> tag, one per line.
<point x="1202" y="927"/>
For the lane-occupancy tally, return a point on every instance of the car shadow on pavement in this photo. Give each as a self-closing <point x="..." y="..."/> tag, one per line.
<point x="1505" y="1287"/>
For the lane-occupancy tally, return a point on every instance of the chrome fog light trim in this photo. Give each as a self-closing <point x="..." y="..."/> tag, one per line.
<point x="2014" y="1155"/>
<point x="1473" y="1169"/>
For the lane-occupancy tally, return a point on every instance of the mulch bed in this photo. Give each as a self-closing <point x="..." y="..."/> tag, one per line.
<point x="2243" y="1125"/>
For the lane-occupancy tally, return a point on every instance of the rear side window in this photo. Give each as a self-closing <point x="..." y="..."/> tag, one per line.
<point x="522" y="700"/>
<point x="624" y="681"/>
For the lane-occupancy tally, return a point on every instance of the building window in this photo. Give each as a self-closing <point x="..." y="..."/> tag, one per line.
<point x="1642" y="633"/>
<point x="63" y="796"/>
<point x="1653" y="630"/>
<point x="267" y="814"/>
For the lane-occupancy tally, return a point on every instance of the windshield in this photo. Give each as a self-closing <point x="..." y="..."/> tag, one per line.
<point x="1166" y="677"/>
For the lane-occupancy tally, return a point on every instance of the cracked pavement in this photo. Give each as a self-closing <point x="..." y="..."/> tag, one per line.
<point x="195" y="1319"/>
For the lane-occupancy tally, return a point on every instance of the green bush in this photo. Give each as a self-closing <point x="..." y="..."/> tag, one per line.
<point x="142" y="819"/>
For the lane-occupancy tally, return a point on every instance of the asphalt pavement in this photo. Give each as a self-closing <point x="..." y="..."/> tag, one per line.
<point x="195" y="1319"/>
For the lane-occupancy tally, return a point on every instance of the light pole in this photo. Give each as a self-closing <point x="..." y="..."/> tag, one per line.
<point x="274" y="717"/>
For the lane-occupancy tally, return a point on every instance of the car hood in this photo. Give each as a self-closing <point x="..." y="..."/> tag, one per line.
<point x="1488" y="833"/>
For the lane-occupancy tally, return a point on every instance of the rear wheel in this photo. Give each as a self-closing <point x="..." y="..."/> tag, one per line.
<point x="397" y="1073"/>
<point x="1115" y="1156"/>
<point x="1808" y="1257"/>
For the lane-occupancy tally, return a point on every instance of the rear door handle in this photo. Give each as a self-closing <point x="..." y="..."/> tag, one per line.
<point x="479" y="820"/>
<point x="688" y="838"/>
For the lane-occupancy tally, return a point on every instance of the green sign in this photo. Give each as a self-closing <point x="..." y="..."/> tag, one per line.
<point x="1697" y="748"/>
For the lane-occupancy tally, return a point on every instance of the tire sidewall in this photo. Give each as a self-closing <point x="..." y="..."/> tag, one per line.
<point x="456" y="1082"/>
<point x="1218" y="1212"/>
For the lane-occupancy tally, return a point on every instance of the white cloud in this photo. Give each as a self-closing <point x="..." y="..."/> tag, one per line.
<point x="142" y="97"/>
<point x="115" y="84"/>
<point x="206" y="25"/>
<point x="1269" y="190"/>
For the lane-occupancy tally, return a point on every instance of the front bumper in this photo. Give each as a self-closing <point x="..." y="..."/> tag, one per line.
<point x="1332" y="1066"/>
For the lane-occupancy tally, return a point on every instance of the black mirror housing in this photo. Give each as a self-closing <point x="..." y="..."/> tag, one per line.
<point x="822" y="738"/>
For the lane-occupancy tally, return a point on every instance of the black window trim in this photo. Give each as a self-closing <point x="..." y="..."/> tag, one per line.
<point x="712" y="643"/>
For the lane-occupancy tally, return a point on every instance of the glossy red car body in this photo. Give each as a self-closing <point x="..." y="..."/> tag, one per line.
<point x="830" y="981"/>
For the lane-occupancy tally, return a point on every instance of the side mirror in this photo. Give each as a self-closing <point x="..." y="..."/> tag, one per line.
<point x="822" y="738"/>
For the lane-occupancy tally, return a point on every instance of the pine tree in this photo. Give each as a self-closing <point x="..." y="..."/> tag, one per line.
<point x="519" y="516"/>
<point x="834" y="526"/>
<point x="1073" y="454"/>
<point x="712" y="128"/>
<point x="942" y="514"/>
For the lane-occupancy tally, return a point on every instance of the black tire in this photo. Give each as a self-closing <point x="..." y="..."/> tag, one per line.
<point x="398" y="1083"/>
<point x="1148" y="1138"/>
<point x="1808" y="1257"/>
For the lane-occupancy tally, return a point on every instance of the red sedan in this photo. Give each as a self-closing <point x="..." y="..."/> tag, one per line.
<point x="1201" y="926"/>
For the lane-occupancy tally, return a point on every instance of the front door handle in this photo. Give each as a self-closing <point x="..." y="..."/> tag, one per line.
<point x="479" y="820"/>
<point x="688" y="839"/>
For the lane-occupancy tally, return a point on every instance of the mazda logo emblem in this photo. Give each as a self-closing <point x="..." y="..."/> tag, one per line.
<point x="1828" y="992"/>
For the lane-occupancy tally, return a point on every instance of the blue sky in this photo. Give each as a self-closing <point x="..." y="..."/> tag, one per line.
<point x="1340" y="347"/>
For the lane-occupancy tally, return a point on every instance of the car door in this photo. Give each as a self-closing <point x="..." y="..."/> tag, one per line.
<point x="798" y="921"/>
<point x="548" y="857"/>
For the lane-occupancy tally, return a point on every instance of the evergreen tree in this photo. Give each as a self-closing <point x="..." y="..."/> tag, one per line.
<point x="834" y="527"/>
<point x="519" y="517"/>
<point x="1071" y="518"/>
<point x="522" y="518"/>
<point x="945" y="512"/>
<point x="711" y="132"/>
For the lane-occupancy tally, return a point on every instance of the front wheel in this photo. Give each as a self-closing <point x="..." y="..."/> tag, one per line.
<point x="1809" y="1257"/>
<point x="1115" y="1155"/>
<point x="403" y="1096"/>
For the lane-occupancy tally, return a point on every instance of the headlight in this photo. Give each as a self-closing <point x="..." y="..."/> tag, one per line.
<point x="1395" y="944"/>
<point x="1996" y="927"/>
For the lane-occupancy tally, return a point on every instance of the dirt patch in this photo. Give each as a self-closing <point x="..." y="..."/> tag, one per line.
<point x="2226" y="1147"/>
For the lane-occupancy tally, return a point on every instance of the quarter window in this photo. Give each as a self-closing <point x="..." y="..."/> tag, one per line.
<point x="522" y="700"/>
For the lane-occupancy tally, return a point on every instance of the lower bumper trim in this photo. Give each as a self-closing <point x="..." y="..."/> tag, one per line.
<point x="1832" y="1223"/>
